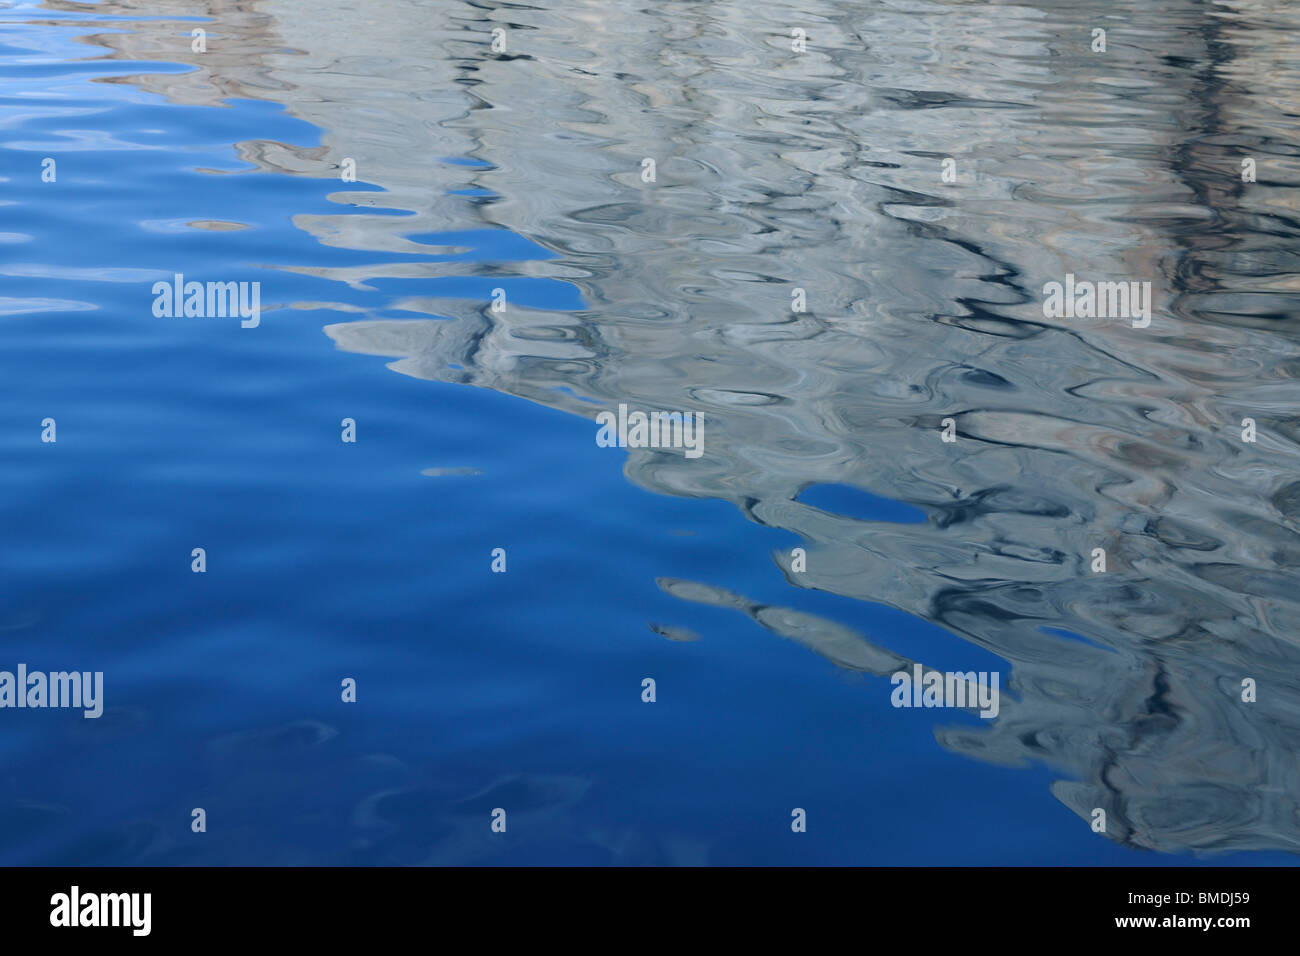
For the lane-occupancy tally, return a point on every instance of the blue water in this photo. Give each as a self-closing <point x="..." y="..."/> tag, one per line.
<point x="329" y="560"/>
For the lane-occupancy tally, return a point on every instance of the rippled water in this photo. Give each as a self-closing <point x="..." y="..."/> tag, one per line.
<point x="521" y="170"/>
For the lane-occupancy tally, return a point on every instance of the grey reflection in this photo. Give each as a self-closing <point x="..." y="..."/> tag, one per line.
<point x="821" y="171"/>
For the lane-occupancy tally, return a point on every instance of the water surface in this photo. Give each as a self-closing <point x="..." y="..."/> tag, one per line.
<point x="521" y="170"/>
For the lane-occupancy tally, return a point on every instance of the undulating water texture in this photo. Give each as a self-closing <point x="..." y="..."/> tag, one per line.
<point x="363" y="581"/>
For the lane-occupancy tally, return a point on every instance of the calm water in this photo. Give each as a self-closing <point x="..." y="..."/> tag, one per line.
<point x="522" y="171"/>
